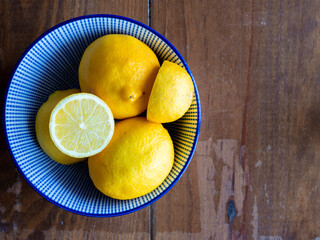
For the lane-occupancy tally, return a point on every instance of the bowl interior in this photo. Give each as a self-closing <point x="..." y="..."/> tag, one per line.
<point x="51" y="64"/>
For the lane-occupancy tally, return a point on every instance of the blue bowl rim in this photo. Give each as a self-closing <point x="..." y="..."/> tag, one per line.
<point x="198" y="117"/>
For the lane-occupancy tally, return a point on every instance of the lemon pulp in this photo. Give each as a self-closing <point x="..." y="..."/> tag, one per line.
<point x="81" y="125"/>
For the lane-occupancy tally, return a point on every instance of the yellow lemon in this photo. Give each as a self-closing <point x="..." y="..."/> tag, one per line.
<point x="42" y="128"/>
<point x="81" y="125"/>
<point x="136" y="161"/>
<point x="171" y="94"/>
<point x="121" y="70"/>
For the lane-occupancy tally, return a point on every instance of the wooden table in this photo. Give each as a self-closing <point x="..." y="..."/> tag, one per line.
<point x="257" y="67"/>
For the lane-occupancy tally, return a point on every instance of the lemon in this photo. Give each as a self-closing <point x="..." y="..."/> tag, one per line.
<point x="81" y="125"/>
<point x="171" y="94"/>
<point x="121" y="70"/>
<point x="136" y="161"/>
<point x="42" y="128"/>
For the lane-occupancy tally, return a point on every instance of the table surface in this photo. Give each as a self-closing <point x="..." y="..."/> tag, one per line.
<point x="257" y="67"/>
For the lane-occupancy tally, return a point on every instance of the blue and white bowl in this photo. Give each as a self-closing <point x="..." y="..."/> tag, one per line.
<point x="50" y="64"/>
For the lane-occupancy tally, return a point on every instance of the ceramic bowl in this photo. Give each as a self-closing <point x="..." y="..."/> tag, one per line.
<point x="50" y="64"/>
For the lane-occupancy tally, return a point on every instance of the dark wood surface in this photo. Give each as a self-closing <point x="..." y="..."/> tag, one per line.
<point x="257" y="67"/>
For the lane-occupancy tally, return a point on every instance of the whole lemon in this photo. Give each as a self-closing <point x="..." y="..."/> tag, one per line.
<point x="119" y="69"/>
<point x="42" y="128"/>
<point x="136" y="161"/>
<point x="171" y="95"/>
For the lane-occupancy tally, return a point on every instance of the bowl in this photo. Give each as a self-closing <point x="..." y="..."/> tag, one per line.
<point x="50" y="64"/>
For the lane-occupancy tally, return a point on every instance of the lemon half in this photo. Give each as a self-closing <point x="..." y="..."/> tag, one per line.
<point x="171" y="94"/>
<point x="81" y="125"/>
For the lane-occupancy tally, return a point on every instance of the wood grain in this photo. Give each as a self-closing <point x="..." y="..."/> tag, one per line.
<point x="256" y="64"/>
<point x="23" y="213"/>
<point x="284" y="121"/>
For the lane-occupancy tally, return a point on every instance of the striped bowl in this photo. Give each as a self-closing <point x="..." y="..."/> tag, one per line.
<point x="50" y="64"/>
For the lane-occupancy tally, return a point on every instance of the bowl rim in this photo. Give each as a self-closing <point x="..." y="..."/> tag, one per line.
<point x="198" y="116"/>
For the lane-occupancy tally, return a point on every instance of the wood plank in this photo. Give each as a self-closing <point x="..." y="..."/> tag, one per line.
<point x="214" y="41"/>
<point x="283" y="127"/>
<point x="256" y="64"/>
<point x="23" y="213"/>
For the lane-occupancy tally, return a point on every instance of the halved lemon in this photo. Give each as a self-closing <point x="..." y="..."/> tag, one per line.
<point x="171" y="94"/>
<point x="81" y="125"/>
